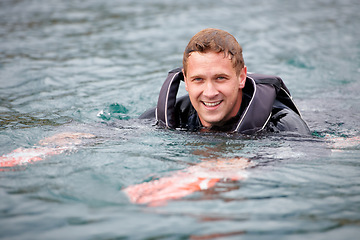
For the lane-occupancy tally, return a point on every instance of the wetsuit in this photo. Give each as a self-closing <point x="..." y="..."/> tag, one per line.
<point x="266" y="106"/>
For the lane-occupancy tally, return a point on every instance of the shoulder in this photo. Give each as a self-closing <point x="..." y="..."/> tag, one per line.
<point x="273" y="80"/>
<point x="284" y="119"/>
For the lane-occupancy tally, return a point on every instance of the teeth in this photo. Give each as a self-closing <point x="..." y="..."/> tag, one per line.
<point x="211" y="104"/>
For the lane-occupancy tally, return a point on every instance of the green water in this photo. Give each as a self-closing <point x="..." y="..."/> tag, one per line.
<point x="95" y="66"/>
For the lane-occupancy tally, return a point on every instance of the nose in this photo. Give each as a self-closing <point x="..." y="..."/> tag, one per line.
<point x="210" y="90"/>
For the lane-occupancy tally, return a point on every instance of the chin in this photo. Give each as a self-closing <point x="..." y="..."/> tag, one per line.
<point x="213" y="121"/>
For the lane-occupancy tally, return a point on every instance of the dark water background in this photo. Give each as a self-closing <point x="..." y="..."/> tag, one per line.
<point x="64" y="62"/>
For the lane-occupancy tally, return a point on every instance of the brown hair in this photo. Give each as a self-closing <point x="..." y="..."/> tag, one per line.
<point x="215" y="40"/>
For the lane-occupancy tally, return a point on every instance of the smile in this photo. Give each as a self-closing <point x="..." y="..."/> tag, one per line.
<point x="211" y="104"/>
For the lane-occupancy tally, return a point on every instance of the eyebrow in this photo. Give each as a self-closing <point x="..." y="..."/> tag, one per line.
<point x="222" y="75"/>
<point x="196" y="76"/>
<point x="203" y="76"/>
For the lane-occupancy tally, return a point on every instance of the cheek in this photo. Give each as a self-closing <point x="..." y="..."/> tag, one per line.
<point x="229" y="90"/>
<point x="193" y="93"/>
<point x="186" y="85"/>
<point x="191" y="87"/>
<point x="231" y="94"/>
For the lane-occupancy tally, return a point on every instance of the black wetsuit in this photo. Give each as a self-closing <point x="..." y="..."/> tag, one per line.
<point x="266" y="105"/>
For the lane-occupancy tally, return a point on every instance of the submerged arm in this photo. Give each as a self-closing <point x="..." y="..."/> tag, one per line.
<point x="53" y="145"/>
<point x="199" y="177"/>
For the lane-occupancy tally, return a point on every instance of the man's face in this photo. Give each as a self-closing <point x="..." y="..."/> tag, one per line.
<point x="213" y="87"/>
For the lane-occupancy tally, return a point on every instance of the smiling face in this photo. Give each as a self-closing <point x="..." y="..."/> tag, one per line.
<point x="214" y="88"/>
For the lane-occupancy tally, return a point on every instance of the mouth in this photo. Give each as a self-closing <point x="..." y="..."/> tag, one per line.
<point x="211" y="104"/>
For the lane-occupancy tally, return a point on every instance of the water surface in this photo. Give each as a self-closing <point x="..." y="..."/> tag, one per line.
<point x="94" y="66"/>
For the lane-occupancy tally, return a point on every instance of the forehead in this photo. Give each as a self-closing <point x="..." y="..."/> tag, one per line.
<point x="209" y="62"/>
<point x="209" y="55"/>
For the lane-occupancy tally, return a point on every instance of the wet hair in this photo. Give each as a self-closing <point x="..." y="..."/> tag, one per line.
<point x="215" y="40"/>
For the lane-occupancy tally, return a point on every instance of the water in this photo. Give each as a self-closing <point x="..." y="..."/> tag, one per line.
<point x="94" y="66"/>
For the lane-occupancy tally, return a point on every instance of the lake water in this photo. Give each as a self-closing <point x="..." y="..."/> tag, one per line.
<point x="95" y="66"/>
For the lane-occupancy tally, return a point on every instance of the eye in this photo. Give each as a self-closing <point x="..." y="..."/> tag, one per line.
<point x="198" y="79"/>
<point x="221" y="78"/>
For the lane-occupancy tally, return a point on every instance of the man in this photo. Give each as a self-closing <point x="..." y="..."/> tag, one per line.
<point x="222" y="96"/>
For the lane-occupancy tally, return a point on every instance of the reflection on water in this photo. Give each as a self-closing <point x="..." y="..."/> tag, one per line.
<point x="94" y="66"/>
<point x="15" y="121"/>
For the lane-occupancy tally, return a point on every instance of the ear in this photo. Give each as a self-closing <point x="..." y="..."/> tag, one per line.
<point x="242" y="77"/>
<point x="185" y="80"/>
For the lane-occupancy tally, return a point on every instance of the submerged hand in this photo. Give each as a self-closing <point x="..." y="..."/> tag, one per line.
<point x="66" y="139"/>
